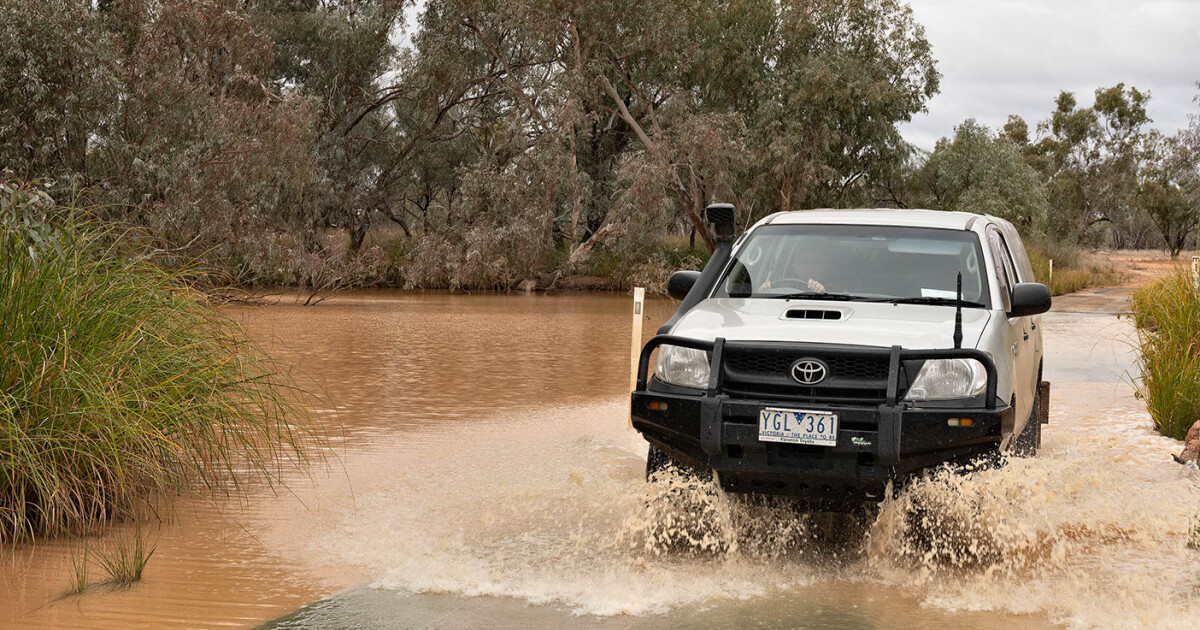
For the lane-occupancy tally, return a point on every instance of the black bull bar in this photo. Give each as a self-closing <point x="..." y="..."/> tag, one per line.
<point x="890" y="412"/>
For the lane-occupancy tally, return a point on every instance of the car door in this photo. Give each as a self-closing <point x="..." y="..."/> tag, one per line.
<point x="1024" y="273"/>
<point x="1017" y="340"/>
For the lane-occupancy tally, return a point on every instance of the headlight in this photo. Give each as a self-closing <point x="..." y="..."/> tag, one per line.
<point x="682" y="366"/>
<point x="948" y="379"/>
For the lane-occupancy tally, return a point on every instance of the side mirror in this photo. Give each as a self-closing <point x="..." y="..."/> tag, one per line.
<point x="1029" y="298"/>
<point x="681" y="282"/>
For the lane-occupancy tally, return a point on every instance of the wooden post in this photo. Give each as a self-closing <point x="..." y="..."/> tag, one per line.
<point x="1196" y="273"/>
<point x="635" y="343"/>
<point x="1050" y="281"/>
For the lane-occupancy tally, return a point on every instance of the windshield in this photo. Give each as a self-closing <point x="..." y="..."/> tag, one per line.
<point x="858" y="262"/>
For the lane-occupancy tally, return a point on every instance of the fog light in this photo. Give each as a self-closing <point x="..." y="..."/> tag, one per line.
<point x="961" y="422"/>
<point x="658" y="405"/>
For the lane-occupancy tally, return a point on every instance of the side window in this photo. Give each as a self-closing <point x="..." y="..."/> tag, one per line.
<point x="1003" y="266"/>
<point x="1009" y="266"/>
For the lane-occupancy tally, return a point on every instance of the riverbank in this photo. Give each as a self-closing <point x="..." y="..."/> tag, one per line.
<point x="1075" y="269"/>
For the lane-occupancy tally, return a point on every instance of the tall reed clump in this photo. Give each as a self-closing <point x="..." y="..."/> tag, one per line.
<point x="1167" y="313"/>
<point x="117" y="384"/>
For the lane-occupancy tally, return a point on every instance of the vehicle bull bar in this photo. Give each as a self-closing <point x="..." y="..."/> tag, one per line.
<point x="891" y="412"/>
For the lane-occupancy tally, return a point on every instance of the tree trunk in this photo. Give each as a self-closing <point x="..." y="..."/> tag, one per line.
<point x="357" y="233"/>
<point x="686" y="196"/>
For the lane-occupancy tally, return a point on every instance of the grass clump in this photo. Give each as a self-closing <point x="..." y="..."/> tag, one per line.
<point x="1074" y="270"/>
<point x="117" y="383"/>
<point x="81" y="578"/>
<point x="123" y="560"/>
<point x="1167" y="314"/>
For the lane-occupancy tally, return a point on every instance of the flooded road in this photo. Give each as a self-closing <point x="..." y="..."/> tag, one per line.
<point x="482" y="475"/>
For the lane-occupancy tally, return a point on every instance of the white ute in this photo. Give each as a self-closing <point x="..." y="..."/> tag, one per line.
<point x="826" y="353"/>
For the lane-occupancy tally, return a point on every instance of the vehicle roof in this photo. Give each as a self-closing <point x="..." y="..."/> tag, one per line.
<point x="879" y="216"/>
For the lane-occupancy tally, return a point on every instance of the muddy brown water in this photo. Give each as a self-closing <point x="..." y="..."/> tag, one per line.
<point x="482" y="474"/>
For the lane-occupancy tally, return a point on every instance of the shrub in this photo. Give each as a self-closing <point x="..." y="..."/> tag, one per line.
<point x="1167" y="313"/>
<point x="1073" y="270"/>
<point x="118" y="384"/>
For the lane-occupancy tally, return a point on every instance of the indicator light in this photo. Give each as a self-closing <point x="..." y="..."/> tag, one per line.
<point x="961" y="422"/>
<point x="658" y="405"/>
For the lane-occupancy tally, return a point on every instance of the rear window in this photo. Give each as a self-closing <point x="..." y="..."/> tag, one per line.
<point x="857" y="262"/>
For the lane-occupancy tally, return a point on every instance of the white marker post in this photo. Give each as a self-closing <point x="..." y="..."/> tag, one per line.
<point x="1196" y="273"/>
<point x="1050" y="281"/>
<point x="635" y="343"/>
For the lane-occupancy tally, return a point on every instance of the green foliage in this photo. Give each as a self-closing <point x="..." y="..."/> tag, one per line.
<point x="510" y="130"/>
<point x="981" y="173"/>
<point x="1089" y="161"/>
<point x="81" y="577"/>
<point x="24" y="213"/>
<point x="122" y="558"/>
<point x="163" y="113"/>
<point x="125" y="559"/>
<point x="117" y="386"/>
<point x="516" y="138"/>
<point x="1167" y="314"/>
<point x="1169" y="185"/>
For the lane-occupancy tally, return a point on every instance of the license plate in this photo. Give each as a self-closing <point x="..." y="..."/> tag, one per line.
<point x="797" y="426"/>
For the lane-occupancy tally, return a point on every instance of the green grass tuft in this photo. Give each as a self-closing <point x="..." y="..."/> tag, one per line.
<point x="81" y="579"/>
<point x="125" y="560"/>
<point x="1167" y="314"/>
<point x="117" y="383"/>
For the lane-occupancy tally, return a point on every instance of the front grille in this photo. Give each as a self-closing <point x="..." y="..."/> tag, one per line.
<point x="780" y="364"/>
<point x="857" y="376"/>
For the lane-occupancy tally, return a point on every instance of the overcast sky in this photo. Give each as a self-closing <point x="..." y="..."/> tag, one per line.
<point x="1001" y="57"/>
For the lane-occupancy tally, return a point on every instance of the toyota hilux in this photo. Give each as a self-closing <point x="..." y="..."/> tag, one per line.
<point x="825" y="354"/>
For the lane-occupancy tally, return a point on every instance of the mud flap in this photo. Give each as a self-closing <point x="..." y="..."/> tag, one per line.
<point x="1043" y="412"/>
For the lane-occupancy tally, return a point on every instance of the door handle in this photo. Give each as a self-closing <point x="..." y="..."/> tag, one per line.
<point x="1025" y="335"/>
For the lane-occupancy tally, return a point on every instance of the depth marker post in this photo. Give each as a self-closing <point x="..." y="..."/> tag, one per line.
<point x="635" y="343"/>
<point x="1050" y="281"/>
<point x="1196" y="273"/>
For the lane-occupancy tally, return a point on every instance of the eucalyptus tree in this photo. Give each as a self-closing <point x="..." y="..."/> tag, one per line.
<point x="1169" y="184"/>
<point x="163" y="112"/>
<point x="1163" y="190"/>
<point x="655" y="108"/>
<point x="1089" y="160"/>
<point x="508" y="138"/>
<point x="979" y="172"/>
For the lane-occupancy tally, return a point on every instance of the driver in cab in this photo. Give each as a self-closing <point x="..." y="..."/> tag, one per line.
<point x="801" y="273"/>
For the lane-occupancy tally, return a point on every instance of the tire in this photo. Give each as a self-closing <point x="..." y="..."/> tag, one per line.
<point x="1027" y="443"/>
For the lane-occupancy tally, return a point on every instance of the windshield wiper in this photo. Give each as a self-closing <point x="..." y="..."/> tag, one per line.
<point x="935" y="301"/>
<point x="812" y="295"/>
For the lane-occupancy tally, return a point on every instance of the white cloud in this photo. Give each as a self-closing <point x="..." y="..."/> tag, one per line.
<point x="1014" y="56"/>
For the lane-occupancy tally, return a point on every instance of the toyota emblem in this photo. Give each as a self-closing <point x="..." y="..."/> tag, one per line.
<point x="809" y="371"/>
